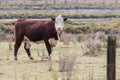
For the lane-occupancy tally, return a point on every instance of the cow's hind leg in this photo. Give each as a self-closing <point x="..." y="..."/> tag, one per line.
<point x="18" y="42"/>
<point x="27" y="46"/>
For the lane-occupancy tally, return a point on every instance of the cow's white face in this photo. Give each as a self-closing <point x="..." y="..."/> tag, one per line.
<point x="59" y="23"/>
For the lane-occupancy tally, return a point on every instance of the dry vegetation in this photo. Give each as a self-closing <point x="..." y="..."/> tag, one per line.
<point x="81" y="54"/>
<point x="69" y="62"/>
<point x="95" y="41"/>
<point x="33" y="8"/>
<point x="46" y="14"/>
<point x="58" y="4"/>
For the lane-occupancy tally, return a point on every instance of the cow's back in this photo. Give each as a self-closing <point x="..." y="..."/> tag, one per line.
<point x="34" y="29"/>
<point x="22" y="24"/>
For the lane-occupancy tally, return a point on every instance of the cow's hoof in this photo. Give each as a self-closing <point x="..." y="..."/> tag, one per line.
<point x="31" y="58"/>
<point x="15" y="58"/>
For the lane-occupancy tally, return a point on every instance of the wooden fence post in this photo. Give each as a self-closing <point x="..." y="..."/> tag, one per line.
<point x="111" y="56"/>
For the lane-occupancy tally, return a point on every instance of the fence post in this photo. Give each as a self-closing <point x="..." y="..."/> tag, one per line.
<point x="111" y="56"/>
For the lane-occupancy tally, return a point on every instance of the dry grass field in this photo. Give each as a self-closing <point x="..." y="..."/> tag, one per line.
<point x="58" y="4"/>
<point x="68" y="61"/>
<point x="86" y="67"/>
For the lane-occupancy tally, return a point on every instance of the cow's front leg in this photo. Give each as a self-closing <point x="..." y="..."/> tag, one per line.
<point x="49" y="49"/>
<point x="27" y="46"/>
<point x="48" y="46"/>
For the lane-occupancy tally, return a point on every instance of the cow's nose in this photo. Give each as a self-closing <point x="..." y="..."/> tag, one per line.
<point x="59" y="29"/>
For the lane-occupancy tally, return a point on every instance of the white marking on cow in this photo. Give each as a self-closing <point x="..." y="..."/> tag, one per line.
<point x="52" y="42"/>
<point x="27" y="41"/>
<point x="38" y="42"/>
<point x="58" y="38"/>
<point x="59" y="23"/>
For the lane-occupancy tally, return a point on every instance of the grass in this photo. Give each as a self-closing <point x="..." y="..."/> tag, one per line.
<point x="59" y="4"/>
<point x="86" y="67"/>
<point x="41" y="14"/>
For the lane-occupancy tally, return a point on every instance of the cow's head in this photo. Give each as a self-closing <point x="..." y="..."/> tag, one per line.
<point x="59" y="23"/>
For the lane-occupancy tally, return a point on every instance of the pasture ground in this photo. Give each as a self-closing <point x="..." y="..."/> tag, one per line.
<point x="86" y="68"/>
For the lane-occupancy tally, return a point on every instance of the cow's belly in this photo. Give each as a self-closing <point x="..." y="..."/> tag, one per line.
<point x="34" y="41"/>
<point x="38" y="42"/>
<point x="52" y="42"/>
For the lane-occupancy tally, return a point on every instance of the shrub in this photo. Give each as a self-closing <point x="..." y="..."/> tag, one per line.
<point x="94" y="42"/>
<point x="66" y="64"/>
<point x="68" y="37"/>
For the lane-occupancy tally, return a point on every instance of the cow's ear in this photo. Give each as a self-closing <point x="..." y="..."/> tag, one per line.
<point x="65" y="19"/>
<point x="53" y="19"/>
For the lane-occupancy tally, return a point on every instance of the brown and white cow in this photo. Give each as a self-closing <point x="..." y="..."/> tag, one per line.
<point x="35" y="31"/>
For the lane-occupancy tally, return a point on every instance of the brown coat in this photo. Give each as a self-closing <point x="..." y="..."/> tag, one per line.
<point x="34" y="30"/>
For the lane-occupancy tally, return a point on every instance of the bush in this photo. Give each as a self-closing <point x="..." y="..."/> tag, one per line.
<point x="66" y="64"/>
<point x="68" y="37"/>
<point x="94" y="42"/>
<point x="2" y="35"/>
